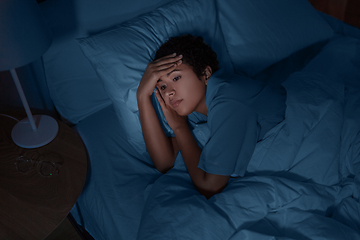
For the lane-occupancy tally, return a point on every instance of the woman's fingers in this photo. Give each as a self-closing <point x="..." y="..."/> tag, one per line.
<point x="165" y="57"/>
<point x="155" y="70"/>
<point x="168" y="66"/>
<point x="170" y="59"/>
<point x="160" y="99"/>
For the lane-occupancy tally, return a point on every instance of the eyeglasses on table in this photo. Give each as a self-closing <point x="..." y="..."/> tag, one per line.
<point x="47" y="164"/>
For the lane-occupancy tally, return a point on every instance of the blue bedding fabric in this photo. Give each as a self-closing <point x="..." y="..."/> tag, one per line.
<point x="302" y="180"/>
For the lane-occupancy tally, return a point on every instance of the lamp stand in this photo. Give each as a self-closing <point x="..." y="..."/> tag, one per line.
<point x="33" y="131"/>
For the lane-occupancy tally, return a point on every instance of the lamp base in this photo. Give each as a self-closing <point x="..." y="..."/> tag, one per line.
<point x="24" y="136"/>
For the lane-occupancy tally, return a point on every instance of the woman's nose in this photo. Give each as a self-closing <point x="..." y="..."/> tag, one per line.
<point x="170" y="91"/>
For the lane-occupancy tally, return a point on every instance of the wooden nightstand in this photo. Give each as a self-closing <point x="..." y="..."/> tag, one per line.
<point x="32" y="206"/>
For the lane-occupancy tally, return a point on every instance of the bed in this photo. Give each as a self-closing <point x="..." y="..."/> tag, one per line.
<point x="303" y="179"/>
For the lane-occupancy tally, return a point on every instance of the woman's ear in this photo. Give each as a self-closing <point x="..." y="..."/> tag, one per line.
<point x="207" y="74"/>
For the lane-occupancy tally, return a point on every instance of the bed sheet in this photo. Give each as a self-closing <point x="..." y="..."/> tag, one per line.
<point x="304" y="173"/>
<point x="298" y="176"/>
<point x="112" y="201"/>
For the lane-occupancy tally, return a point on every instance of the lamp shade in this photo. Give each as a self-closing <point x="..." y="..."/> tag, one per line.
<point x="23" y="33"/>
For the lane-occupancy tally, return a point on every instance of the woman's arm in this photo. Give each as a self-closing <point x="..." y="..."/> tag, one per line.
<point x="206" y="183"/>
<point x="159" y="146"/>
<point x="161" y="149"/>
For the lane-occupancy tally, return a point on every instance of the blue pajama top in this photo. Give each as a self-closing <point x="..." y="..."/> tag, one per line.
<point x="240" y="111"/>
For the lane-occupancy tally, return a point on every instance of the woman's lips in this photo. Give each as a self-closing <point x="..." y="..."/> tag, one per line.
<point x="175" y="103"/>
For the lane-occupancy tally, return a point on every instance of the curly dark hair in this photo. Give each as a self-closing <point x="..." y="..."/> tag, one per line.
<point x="196" y="53"/>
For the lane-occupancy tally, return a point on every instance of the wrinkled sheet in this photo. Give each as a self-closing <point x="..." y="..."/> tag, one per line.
<point x="302" y="182"/>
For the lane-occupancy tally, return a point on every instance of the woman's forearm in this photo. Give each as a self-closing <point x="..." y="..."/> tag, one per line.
<point x="191" y="153"/>
<point x="207" y="184"/>
<point x="157" y="143"/>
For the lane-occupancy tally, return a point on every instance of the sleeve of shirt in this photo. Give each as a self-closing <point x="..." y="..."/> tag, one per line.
<point x="234" y="132"/>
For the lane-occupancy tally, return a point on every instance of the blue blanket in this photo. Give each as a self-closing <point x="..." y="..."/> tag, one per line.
<point x="302" y="182"/>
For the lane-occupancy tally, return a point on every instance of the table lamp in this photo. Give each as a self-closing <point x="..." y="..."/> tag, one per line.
<point x="23" y="39"/>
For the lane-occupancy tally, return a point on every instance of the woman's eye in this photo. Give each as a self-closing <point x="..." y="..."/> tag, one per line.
<point x="176" y="78"/>
<point x="162" y="87"/>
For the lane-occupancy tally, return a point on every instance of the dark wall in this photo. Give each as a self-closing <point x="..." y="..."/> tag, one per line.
<point x="345" y="10"/>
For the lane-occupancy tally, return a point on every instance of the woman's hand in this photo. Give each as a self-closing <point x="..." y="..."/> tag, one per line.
<point x="154" y="71"/>
<point x="174" y="120"/>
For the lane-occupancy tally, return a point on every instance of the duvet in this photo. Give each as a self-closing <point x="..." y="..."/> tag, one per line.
<point x="302" y="181"/>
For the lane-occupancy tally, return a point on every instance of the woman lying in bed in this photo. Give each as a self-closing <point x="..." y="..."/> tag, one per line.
<point x="238" y="112"/>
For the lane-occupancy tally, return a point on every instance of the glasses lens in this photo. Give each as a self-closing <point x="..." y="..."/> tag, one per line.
<point x="47" y="169"/>
<point x="23" y="164"/>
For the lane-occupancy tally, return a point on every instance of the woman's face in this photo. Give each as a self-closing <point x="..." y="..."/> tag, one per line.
<point x="183" y="91"/>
